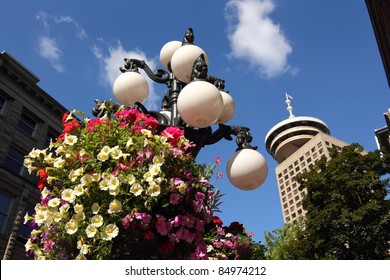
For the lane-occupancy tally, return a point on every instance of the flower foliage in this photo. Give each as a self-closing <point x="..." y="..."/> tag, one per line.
<point x="232" y="242"/>
<point x="120" y="187"/>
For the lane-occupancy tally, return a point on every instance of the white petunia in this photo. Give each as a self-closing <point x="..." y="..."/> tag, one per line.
<point x="68" y="195"/>
<point x="79" y="190"/>
<point x="40" y="217"/>
<point x="91" y="231"/>
<point x="111" y="231"/>
<point x="116" y="153"/>
<point x="114" y="207"/>
<point x="71" y="226"/>
<point x="136" y="189"/>
<point x="54" y="202"/>
<point x="97" y="220"/>
<point x="95" y="208"/>
<point x="59" y="162"/>
<point x="153" y="189"/>
<point x="86" y="180"/>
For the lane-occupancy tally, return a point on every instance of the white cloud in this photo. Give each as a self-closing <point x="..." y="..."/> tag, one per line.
<point x="48" y="46"/>
<point x="255" y="38"/>
<point x="113" y="59"/>
<point x="49" y="50"/>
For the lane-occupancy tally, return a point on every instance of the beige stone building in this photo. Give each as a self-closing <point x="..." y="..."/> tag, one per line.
<point x="29" y="117"/>
<point x="296" y="144"/>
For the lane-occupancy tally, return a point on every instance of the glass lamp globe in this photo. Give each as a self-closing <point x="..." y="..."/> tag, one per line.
<point x="200" y="104"/>
<point x="228" y="108"/>
<point x="183" y="59"/>
<point x="130" y="87"/>
<point x="247" y="169"/>
<point x="167" y="51"/>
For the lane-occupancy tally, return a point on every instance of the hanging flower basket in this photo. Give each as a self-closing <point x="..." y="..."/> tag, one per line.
<point x="120" y="187"/>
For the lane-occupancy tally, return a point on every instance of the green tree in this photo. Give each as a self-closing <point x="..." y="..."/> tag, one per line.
<point x="285" y="243"/>
<point x="348" y="210"/>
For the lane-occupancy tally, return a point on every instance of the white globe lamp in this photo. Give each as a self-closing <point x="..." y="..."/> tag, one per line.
<point x="247" y="169"/>
<point x="167" y="51"/>
<point x="200" y="104"/>
<point x="130" y="87"/>
<point x="228" y="108"/>
<point x="183" y="59"/>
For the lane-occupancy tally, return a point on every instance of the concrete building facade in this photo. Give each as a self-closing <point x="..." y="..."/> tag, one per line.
<point x="297" y="143"/>
<point x="29" y="117"/>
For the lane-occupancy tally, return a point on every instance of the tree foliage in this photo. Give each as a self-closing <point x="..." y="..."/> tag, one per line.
<point x="348" y="208"/>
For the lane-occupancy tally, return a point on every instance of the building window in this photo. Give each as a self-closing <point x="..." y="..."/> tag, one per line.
<point x="2" y="105"/>
<point x="14" y="161"/>
<point x="293" y="215"/>
<point x="5" y="208"/>
<point x="27" y="124"/>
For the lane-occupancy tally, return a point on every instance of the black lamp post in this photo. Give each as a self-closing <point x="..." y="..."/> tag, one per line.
<point x="194" y="101"/>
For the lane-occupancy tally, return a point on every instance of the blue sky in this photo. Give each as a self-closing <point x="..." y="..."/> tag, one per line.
<point x="323" y="53"/>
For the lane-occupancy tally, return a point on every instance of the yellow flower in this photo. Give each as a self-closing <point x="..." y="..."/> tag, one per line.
<point x="129" y="142"/>
<point x="28" y="164"/>
<point x="71" y="226"/>
<point x="103" y="185"/>
<point x="86" y="180"/>
<point x="114" y="191"/>
<point x="27" y="218"/>
<point x="153" y="189"/>
<point x="115" y="207"/>
<point x="104" y="153"/>
<point x="70" y="139"/>
<point x="115" y="153"/>
<point x="111" y="231"/>
<point x="50" y="179"/>
<point x="91" y="231"/>
<point x="79" y="190"/>
<point x="97" y="220"/>
<point x="40" y="217"/>
<point x="136" y="189"/>
<point x="57" y="216"/>
<point x="158" y="160"/>
<point x="80" y="216"/>
<point x="95" y="208"/>
<point x="182" y="187"/>
<point x="49" y="158"/>
<point x="68" y="195"/>
<point x="113" y="182"/>
<point x="148" y="177"/>
<point x="154" y="169"/>
<point x="54" y="202"/>
<point x="59" y="162"/>
<point x="78" y="207"/>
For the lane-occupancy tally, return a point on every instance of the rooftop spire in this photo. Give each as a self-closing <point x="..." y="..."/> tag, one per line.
<point x="289" y="108"/>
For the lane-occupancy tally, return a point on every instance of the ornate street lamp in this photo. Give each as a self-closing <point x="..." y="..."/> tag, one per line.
<point x="194" y="101"/>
